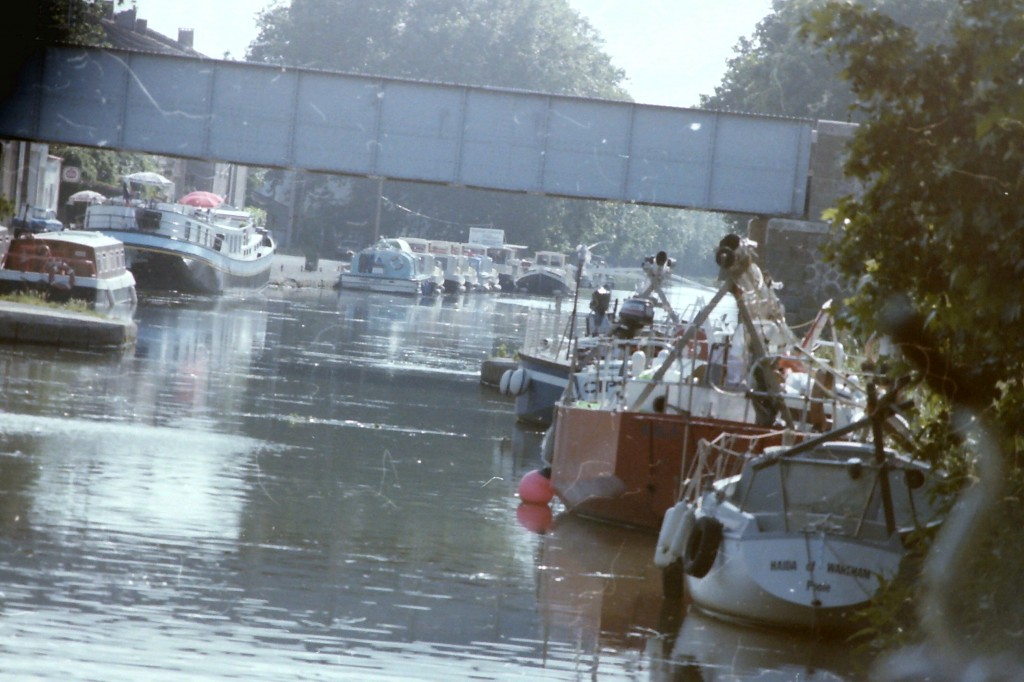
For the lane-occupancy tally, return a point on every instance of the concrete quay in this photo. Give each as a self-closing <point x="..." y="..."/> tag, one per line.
<point x="37" y="324"/>
<point x="289" y="272"/>
<point x="45" y="325"/>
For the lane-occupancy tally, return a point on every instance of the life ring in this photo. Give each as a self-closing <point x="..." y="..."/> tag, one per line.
<point x="62" y="268"/>
<point x="702" y="546"/>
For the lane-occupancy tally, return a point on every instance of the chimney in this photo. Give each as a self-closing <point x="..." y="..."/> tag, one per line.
<point x="141" y="25"/>
<point x="186" y="36"/>
<point x="126" y="18"/>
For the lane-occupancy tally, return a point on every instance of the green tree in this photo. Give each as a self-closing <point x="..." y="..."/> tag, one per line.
<point x="541" y="45"/>
<point x="103" y="167"/>
<point x="777" y="71"/>
<point x="71" y="21"/>
<point x="939" y="224"/>
<point x="49" y="22"/>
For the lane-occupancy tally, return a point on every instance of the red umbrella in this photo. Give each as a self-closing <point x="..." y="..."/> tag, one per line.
<point x="202" y="199"/>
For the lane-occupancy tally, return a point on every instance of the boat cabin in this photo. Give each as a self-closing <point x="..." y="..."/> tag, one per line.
<point x="87" y="254"/>
<point x="386" y="262"/>
<point x="837" y="484"/>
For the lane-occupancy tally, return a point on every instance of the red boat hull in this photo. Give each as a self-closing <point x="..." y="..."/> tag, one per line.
<point x="626" y="467"/>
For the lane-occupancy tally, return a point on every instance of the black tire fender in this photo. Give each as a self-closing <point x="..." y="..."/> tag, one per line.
<point x="702" y="546"/>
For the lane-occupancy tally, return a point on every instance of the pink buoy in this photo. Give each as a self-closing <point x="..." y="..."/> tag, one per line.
<point x="536" y="518"/>
<point x="535" y="488"/>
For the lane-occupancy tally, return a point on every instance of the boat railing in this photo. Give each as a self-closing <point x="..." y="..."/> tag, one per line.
<point x="724" y="457"/>
<point x="604" y="365"/>
<point x="817" y="395"/>
<point x="548" y="331"/>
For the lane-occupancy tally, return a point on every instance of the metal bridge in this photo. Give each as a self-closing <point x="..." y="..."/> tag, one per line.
<point x="489" y="138"/>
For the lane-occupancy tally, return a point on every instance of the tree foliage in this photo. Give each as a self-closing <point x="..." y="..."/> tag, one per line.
<point x="777" y="71"/>
<point x="939" y="155"/>
<point x="49" y="22"/>
<point x="540" y="45"/>
<point x="68" y="21"/>
<point x="940" y="224"/>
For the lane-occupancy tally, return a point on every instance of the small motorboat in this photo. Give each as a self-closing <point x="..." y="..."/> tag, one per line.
<point x="548" y="274"/>
<point x="390" y="266"/>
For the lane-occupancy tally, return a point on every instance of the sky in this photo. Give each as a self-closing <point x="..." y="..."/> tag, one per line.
<point x="672" y="51"/>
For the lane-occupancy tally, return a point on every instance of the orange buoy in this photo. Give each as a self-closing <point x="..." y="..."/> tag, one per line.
<point x="535" y="487"/>
<point x="536" y="518"/>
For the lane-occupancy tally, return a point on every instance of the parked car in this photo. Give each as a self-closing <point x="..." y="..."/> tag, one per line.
<point x="34" y="220"/>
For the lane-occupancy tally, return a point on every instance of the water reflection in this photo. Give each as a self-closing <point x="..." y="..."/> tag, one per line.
<point x="597" y="585"/>
<point x="300" y="486"/>
<point x="710" y="649"/>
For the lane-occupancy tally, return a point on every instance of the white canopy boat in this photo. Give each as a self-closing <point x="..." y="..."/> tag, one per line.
<point x="390" y="266"/>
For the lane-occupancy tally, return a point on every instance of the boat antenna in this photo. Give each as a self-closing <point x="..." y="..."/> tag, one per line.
<point x="582" y="258"/>
<point x="877" y="421"/>
<point x="658" y="268"/>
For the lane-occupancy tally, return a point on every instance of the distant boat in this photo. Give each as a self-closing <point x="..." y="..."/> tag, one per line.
<point x="507" y="263"/>
<point x="554" y="350"/>
<point x="72" y="264"/>
<point x="177" y="247"/>
<point x="390" y="266"/>
<point x="482" y="265"/>
<point x="427" y="262"/>
<point x="547" y="274"/>
<point x="454" y="265"/>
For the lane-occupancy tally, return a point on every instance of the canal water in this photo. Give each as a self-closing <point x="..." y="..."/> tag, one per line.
<point x="307" y="485"/>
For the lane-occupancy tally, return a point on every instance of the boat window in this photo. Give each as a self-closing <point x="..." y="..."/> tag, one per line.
<point x="828" y="488"/>
<point x="366" y="262"/>
<point x="758" y="491"/>
<point x="915" y="502"/>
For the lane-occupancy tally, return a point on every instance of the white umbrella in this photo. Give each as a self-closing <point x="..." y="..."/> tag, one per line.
<point x="149" y="178"/>
<point x="86" y="196"/>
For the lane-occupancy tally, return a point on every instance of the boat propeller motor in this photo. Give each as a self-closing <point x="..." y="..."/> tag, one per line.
<point x="658" y="266"/>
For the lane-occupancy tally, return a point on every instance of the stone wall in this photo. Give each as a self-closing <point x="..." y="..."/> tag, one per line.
<point x="790" y="252"/>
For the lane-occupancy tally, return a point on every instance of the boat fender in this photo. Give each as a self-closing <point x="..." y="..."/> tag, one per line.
<point x="637" y="362"/>
<point x="677" y="520"/>
<point x="678" y="546"/>
<point x="519" y="381"/>
<point x="504" y="381"/>
<point x="702" y="546"/>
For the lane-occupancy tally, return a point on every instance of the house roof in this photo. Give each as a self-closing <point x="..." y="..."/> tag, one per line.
<point x="125" y="30"/>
